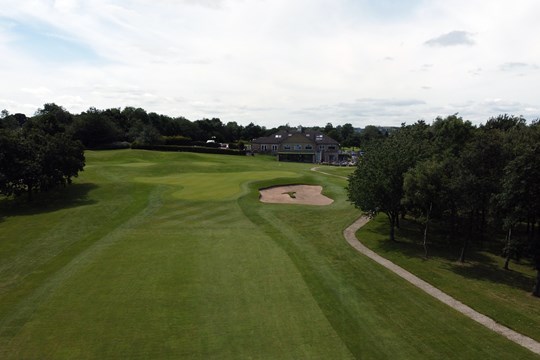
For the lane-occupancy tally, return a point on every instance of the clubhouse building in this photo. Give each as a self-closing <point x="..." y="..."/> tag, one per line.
<point x="302" y="145"/>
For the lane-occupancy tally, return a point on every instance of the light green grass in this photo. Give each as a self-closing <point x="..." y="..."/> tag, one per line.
<point x="171" y="255"/>
<point x="337" y="170"/>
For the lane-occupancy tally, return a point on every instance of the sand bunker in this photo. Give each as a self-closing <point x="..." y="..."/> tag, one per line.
<point x="295" y="194"/>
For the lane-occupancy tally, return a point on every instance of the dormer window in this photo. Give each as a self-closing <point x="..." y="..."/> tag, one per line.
<point x="319" y="138"/>
<point x="278" y="136"/>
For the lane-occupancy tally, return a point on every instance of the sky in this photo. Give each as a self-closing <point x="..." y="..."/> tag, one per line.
<point x="275" y="62"/>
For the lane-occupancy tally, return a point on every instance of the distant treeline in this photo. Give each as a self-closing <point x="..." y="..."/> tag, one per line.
<point x="117" y="127"/>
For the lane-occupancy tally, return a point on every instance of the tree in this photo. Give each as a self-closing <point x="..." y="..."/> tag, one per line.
<point x="94" y="128"/>
<point x="519" y="199"/>
<point x="37" y="158"/>
<point x="347" y="132"/>
<point x="145" y="134"/>
<point x="377" y="183"/>
<point x="422" y="192"/>
<point x="370" y="133"/>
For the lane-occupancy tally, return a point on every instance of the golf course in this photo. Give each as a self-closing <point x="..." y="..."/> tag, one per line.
<point x="165" y="255"/>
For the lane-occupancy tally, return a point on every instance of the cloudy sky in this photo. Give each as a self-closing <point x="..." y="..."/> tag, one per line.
<point x="271" y="62"/>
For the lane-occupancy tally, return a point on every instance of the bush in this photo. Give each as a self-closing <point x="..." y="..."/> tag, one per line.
<point x="177" y="140"/>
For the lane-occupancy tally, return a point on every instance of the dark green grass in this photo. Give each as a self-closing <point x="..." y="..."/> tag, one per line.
<point x="375" y="313"/>
<point x="165" y="255"/>
<point x="481" y="282"/>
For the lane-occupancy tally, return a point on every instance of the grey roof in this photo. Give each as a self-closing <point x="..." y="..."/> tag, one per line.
<point x="277" y="138"/>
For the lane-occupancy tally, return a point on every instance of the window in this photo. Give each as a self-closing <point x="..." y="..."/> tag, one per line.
<point x="264" y="148"/>
<point x="331" y="147"/>
<point x="297" y="147"/>
<point x="309" y="147"/>
<point x="278" y="136"/>
<point x="274" y="147"/>
<point x="319" y="138"/>
<point x="321" y="147"/>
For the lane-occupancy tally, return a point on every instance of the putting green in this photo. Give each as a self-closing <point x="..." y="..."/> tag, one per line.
<point x="212" y="186"/>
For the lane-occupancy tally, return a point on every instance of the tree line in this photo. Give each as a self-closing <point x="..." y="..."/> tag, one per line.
<point x="477" y="183"/>
<point x="117" y="127"/>
<point x="46" y="150"/>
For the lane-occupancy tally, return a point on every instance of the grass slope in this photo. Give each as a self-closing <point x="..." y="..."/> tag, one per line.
<point x="170" y="255"/>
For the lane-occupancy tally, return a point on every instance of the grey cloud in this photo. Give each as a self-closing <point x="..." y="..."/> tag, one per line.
<point x="452" y="38"/>
<point x="475" y="72"/>
<point x="505" y="106"/>
<point x="481" y="111"/>
<point x="216" y="4"/>
<point x="423" y="68"/>
<point x="367" y="109"/>
<point x="518" y="66"/>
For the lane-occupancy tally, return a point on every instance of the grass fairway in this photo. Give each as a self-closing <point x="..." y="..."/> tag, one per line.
<point x="171" y="255"/>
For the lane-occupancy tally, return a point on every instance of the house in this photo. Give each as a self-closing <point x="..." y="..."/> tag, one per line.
<point x="302" y="145"/>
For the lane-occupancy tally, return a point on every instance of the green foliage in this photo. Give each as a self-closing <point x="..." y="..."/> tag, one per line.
<point x="38" y="157"/>
<point x="177" y="140"/>
<point x="477" y="182"/>
<point x="377" y="183"/>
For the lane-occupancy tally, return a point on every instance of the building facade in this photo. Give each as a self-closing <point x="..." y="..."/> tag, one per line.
<point x="303" y="145"/>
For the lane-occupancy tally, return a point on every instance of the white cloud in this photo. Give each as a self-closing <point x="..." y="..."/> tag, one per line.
<point x="279" y="61"/>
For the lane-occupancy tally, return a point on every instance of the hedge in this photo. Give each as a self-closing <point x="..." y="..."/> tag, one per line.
<point x="195" y="149"/>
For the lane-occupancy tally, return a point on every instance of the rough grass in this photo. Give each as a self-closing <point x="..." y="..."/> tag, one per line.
<point x="137" y="260"/>
<point x="481" y="282"/>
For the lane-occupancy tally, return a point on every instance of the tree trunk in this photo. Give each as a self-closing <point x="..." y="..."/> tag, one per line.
<point x="464" y="250"/>
<point x="508" y="249"/>
<point x="466" y="239"/>
<point x="536" y="289"/>
<point x="392" y="219"/>
<point x="426" y="230"/>
<point x="482" y="227"/>
<point x="453" y="223"/>
<point x="29" y="191"/>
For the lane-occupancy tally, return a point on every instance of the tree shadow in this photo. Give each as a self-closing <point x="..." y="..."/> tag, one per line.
<point x="494" y="274"/>
<point x="73" y="195"/>
<point x="479" y="264"/>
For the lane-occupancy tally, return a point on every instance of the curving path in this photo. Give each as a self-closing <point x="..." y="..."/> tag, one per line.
<point x="316" y="169"/>
<point x="350" y="236"/>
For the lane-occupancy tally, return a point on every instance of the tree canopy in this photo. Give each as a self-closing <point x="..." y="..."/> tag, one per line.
<point x="475" y="182"/>
<point x="40" y="154"/>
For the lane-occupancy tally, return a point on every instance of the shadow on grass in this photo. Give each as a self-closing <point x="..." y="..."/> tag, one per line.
<point x="478" y="266"/>
<point x="494" y="274"/>
<point x="73" y="195"/>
